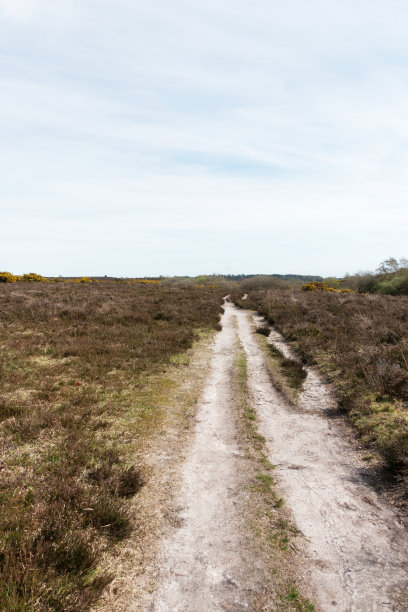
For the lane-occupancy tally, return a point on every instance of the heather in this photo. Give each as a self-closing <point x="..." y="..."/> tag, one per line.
<point x="74" y="363"/>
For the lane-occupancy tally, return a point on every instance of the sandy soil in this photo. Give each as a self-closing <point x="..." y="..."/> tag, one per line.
<point x="205" y="564"/>
<point x="356" y="558"/>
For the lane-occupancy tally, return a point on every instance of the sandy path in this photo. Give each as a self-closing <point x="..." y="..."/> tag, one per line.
<point x="204" y="562"/>
<point x="356" y="559"/>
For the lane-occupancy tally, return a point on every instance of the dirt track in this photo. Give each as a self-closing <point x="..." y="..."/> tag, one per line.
<point x="203" y="561"/>
<point x="354" y="550"/>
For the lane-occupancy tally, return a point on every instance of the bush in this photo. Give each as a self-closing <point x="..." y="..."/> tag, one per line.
<point x="264" y="330"/>
<point x="7" y="277"/>
<point x="295" y="371"/>
<point x="393" y="284"/>
<point x="32" y="277"/>
<point x="267" y="282"/>
<point x="391" y="279"/>
<point x="322" y="286"/>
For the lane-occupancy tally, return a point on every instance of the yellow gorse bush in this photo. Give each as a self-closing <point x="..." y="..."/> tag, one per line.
<point x="322" y="286"/>
<point x="8" y="277"/>
<point x="32" y="277"/>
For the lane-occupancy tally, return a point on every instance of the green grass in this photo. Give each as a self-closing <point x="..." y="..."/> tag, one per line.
<point x="266" y="480"/>
<point x="292" y="370"/>
<point x="290" y="596"/>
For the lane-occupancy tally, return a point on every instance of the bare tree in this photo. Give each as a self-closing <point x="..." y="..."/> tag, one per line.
<point x="388" y="265"/>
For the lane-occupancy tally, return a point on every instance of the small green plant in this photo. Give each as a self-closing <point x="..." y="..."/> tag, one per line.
<point x="267" y="464"/>
<point x="266" y="480"/>
<point x="291" y="597"/>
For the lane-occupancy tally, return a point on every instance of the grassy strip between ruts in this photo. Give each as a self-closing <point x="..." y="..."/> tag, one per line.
<point x="287" y="374"/>
<point x="74" y="366"/>
<point x="267" y="516"/>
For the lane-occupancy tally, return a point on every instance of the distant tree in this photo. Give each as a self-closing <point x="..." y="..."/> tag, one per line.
<point x="392" y="265"/>
<point x="388" y="265"/>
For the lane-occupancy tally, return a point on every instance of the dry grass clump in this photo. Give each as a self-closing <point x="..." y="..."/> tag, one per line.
<point x="74" y="360"/>
<point x="361" y="342"/>
<point x="263" y="330"/>
<point x="294" y="371"/>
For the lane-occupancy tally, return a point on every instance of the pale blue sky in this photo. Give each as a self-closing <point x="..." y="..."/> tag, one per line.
<point x="192" y="136"/>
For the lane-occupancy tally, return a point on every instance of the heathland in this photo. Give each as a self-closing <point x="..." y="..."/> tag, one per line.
<point x="360" y="342"/>
<point x="74" y="363"/>
<point x="85" y="387"/>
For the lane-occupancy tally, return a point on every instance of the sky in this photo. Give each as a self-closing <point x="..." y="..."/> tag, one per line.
<point x="185" y="137"/>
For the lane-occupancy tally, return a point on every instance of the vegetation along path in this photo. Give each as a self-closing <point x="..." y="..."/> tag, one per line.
<point x="351" y="547"/>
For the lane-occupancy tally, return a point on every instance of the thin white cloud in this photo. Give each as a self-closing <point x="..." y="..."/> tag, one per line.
<point x="189" y="115"/>
<point x="18" y="9"/>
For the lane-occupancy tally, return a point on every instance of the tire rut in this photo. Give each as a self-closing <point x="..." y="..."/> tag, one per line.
<point x="356" y="556"/>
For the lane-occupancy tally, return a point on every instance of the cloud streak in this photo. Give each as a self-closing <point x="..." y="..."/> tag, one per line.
<point x="122" y="117"/>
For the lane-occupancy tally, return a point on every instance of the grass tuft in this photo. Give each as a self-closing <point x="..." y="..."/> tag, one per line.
<point x="264" y="330"/>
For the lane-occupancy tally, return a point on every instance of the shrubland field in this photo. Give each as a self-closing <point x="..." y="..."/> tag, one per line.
<point x="74" y="359"/>
<point x="361" y="343"/>
<point x="80" y="401"/>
